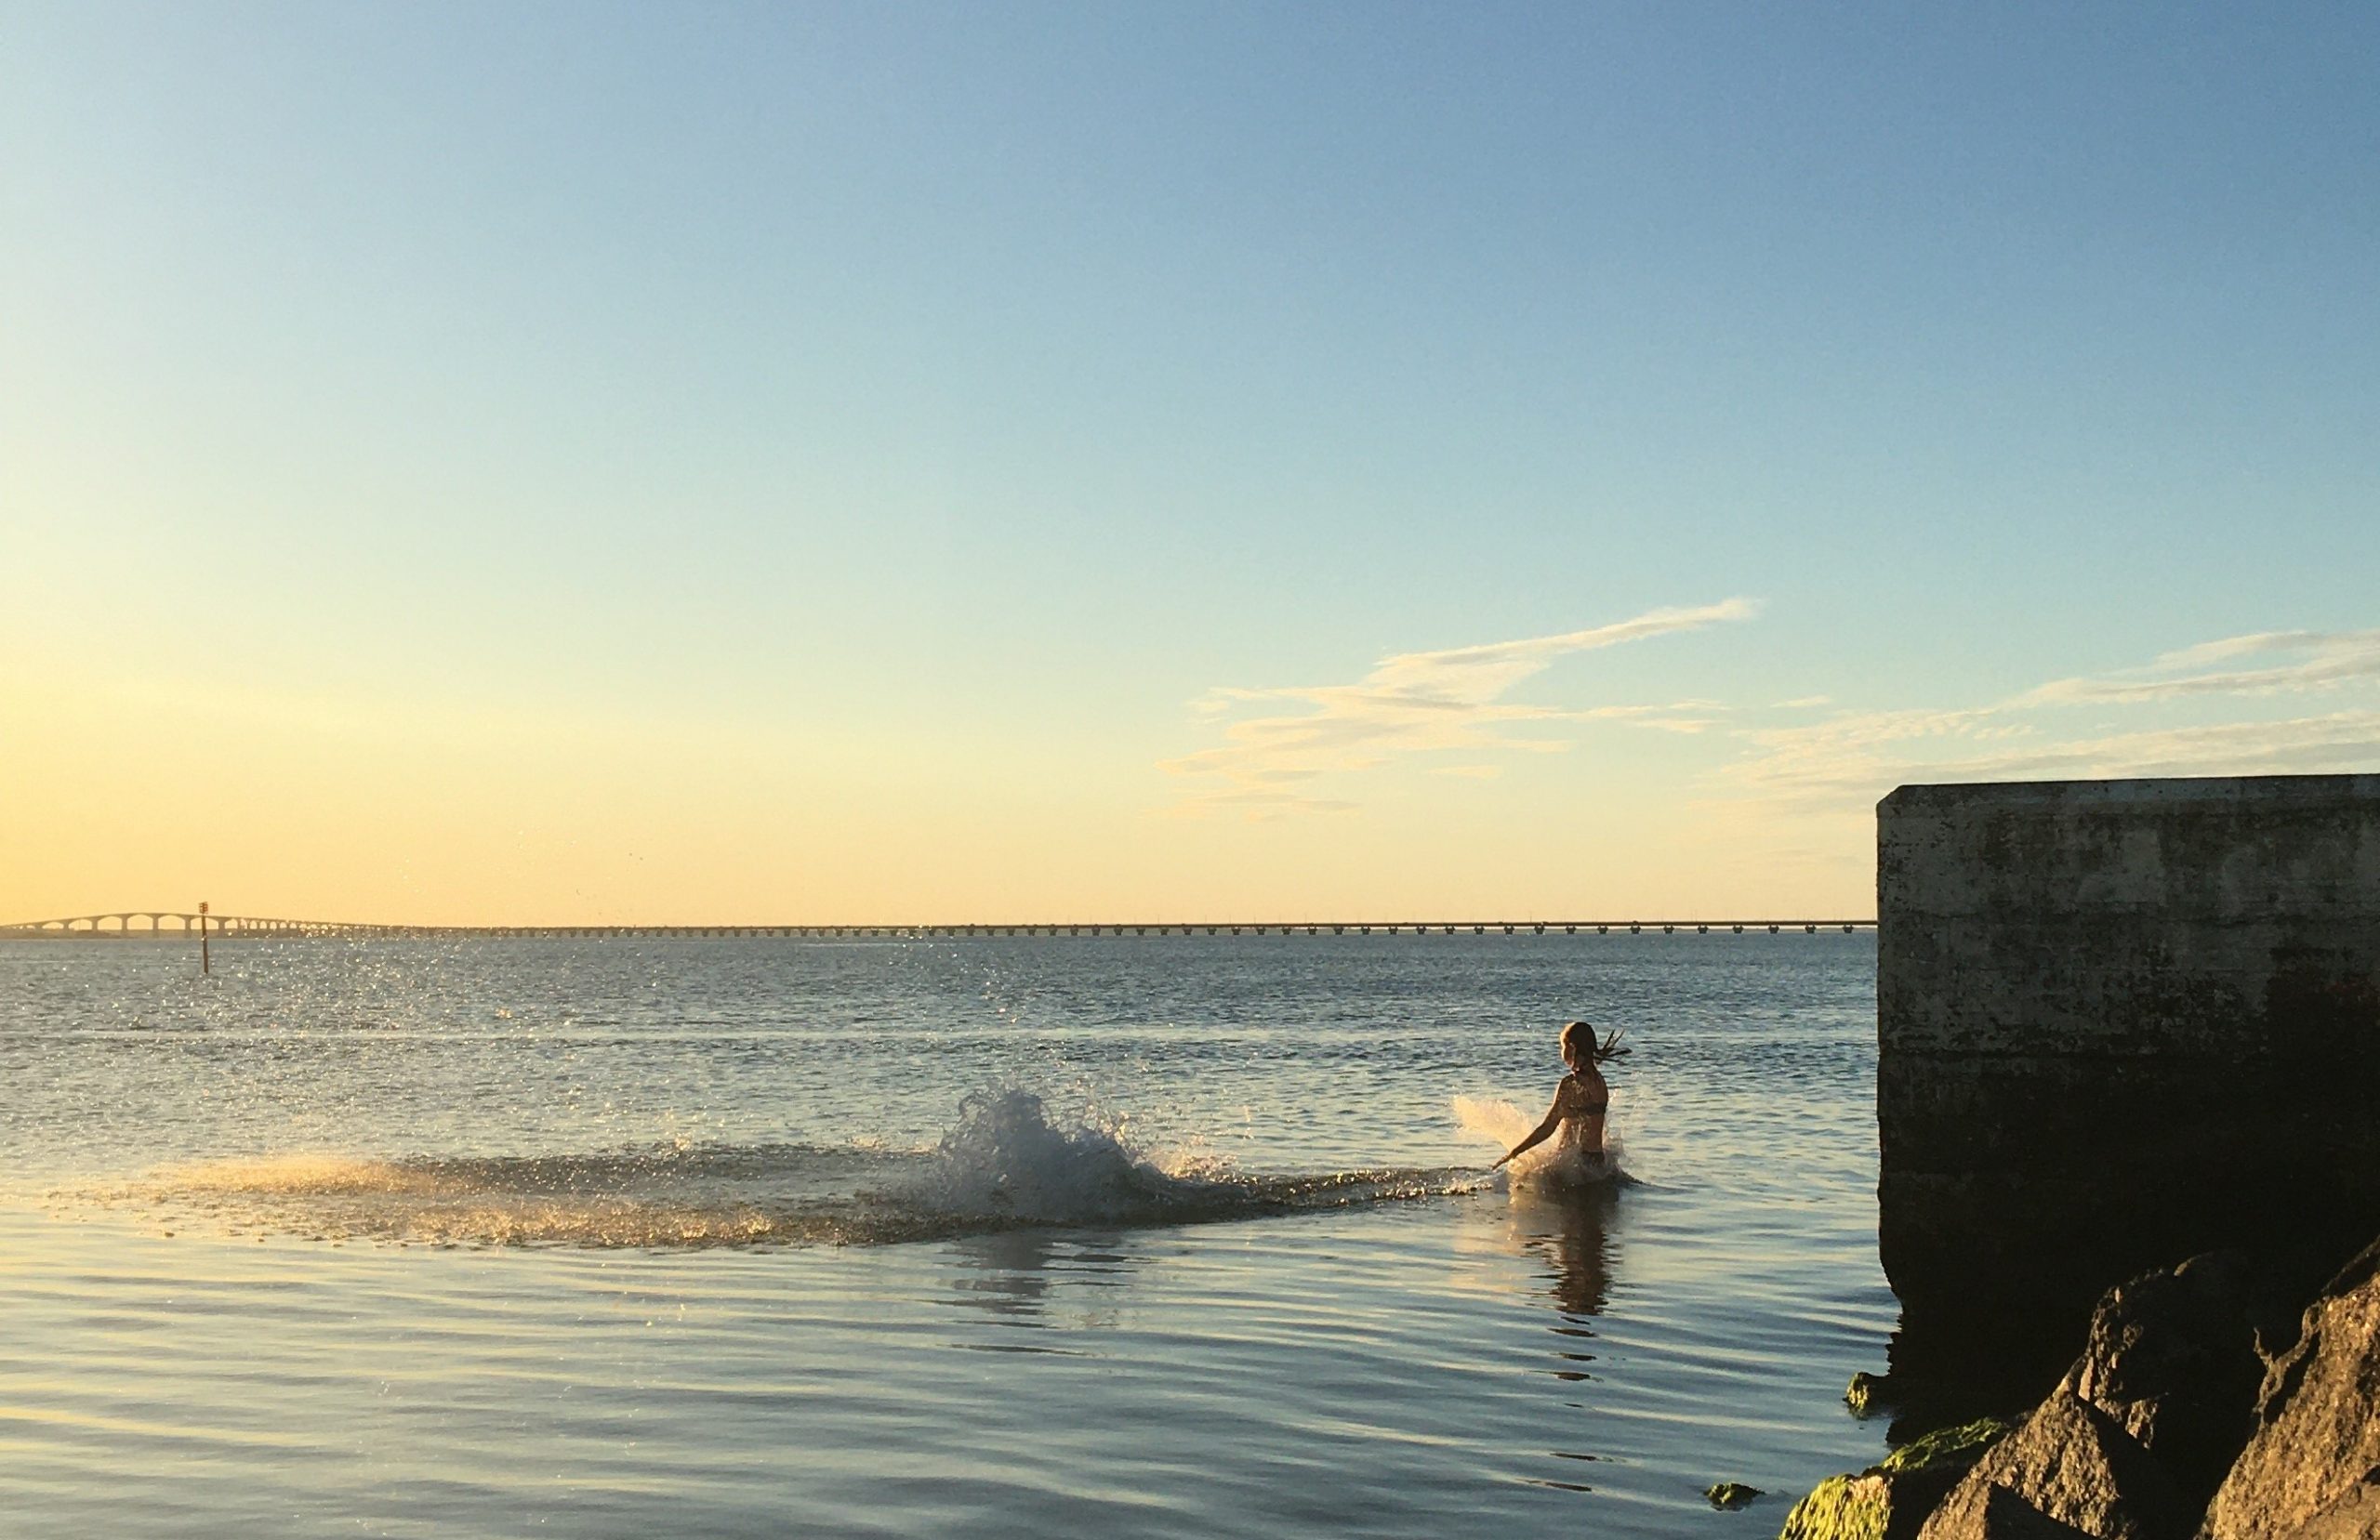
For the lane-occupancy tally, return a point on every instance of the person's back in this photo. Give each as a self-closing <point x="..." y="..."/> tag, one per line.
<point x="1589" y="1105"/>
<point x="1582" y="1102"/>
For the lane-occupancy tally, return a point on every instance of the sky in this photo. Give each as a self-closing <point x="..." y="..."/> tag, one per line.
<point x="900" y="463"/>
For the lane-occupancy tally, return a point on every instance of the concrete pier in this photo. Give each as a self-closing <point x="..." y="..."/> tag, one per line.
<point x="2119" y="1022"/>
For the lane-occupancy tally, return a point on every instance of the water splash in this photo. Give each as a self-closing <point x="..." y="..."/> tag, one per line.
<point x="1556" y="1162"/>
<point x="1006" y="1159"/>
<point x="1004" y="1163"/>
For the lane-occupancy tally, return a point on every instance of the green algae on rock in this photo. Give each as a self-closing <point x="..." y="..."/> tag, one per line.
<point x="1963" y="1445"/>
<point x="1890" y="1499"/>
<point x="1842" y="1508"/>
<point x="1732" y="1495"/>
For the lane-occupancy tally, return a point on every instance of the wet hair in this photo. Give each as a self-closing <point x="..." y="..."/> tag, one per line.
<point x="1579" y="1039"/>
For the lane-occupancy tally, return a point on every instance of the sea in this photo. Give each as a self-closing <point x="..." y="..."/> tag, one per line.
<point x="1053" y="1235"/>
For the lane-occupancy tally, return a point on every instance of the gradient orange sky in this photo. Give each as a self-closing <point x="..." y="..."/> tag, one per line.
<point x="469" y="466"/>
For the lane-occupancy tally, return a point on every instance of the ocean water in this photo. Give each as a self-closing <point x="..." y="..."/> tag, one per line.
<point x="1104" y="1236"/>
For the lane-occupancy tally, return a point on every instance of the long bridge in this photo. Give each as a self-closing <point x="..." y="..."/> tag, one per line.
<point x="120" y="925"/>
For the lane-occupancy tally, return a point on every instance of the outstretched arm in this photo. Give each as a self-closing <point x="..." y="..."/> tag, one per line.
<point x="1538" y="1135"/>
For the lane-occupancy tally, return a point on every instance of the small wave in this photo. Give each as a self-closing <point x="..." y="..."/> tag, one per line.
<point x="670" y="1197"/>
<point x="1004" y="1164"/>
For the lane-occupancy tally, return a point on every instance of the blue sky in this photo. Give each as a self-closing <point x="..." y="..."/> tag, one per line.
<point x="934" y="408"/>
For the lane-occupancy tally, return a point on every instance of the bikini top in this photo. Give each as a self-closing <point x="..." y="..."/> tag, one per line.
<point x="1593" y="1100"/>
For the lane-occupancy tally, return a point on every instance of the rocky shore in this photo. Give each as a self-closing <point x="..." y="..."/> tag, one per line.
<point x="2206" y="1405"/>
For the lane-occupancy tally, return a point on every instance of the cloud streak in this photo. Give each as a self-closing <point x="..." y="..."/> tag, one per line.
<point x="2213" y="708"/>
<point x="2313" y="659"/>
<point x="1847" y="760"/>
<point x="1415" y="703"/>
<point x="1823" y="771"/>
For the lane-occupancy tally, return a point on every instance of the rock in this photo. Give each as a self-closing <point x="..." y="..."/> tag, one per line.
<point x="2176" y="1357"/>
<point x="2353" y="1517"/>
<point x="2009" y="1516"/>
<point x="1866" y="1395"/>
<point x="1845" y="1507"/>
<point x="1732" y="1495"/>
<point x="2068" y="1469"/>
<point x="1890" y="1499"/>
<point x="2315" y="1441"/>
<point x="1947" y="1449"/>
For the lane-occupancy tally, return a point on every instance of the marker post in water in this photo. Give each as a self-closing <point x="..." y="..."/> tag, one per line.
<point x="204" y="965"/>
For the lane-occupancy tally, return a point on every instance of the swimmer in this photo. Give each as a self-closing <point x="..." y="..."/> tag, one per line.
<point x="1582" y="1099"/>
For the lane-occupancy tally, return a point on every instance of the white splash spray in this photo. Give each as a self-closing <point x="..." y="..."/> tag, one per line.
<point x="1005" y="1158"/>
<point x="1556" y="1162"/>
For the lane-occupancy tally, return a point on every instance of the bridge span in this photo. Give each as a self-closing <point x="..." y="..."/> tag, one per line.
<point x="120" y="925"/>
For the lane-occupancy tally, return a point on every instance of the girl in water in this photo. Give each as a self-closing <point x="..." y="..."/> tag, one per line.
<point x="1580" y="1103"/>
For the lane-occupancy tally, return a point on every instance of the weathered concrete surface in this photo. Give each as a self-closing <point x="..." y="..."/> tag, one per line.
<point x="2119" y="1022"/>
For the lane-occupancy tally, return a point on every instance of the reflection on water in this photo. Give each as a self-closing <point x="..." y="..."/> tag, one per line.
<point x="1039" y="1279"/>
<point x="1571" y="1232"/>
<point x="1006" y="1275"/>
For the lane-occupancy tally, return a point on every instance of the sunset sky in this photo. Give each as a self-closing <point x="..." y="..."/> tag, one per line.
<point x="552" y="464"/>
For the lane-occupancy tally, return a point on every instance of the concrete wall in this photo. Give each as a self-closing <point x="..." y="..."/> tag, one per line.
<point x="2119" y="1022"/>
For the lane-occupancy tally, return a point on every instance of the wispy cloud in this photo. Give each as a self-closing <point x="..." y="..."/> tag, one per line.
<point x="2309" y="660"/>
<point x="2217" y="707"/>
<point x="1850" y="758"/>
<point x="1821" y="770"/>
<point x="1415" y="703"/>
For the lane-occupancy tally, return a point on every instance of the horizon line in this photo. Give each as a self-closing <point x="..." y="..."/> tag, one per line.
<point x="247" y="925"/>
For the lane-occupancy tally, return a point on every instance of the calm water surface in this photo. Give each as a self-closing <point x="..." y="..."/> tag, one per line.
<point x="1164" y="1236"/>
